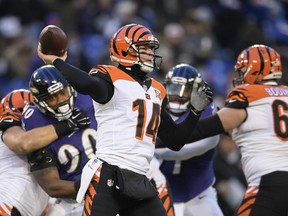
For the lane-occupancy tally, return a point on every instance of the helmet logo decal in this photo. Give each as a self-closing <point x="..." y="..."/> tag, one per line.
<point x="55" y="88"/>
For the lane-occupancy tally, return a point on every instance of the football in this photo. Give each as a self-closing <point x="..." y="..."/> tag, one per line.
<point x="53" y="40"/>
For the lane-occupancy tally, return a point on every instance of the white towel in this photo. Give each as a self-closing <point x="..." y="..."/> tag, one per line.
<point x="87" y="174"/>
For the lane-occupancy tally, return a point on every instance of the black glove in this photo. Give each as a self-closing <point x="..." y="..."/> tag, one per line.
<point x="201" y="96"/>
<point x="78" y="120"/>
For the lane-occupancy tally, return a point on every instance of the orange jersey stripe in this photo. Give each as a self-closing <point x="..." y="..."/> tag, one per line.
<point x="116" y="74"/>
<point x="248" y="200"/>
<point x="245" y="213"/>
<point x="88" y="204"/>
<point x="170" y="212"/>
<point x="3" y="212"/>
<point x="92" y="190"/>
<point x="252" y="192"/>
<point x="242" y="95"/>
<point x="246" y="205"/>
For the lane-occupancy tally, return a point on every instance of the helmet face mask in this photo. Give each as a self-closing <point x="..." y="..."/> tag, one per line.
<point x="153" y="61"/>
<point x="179" y="84"/>
<point x="256" y="64"/>
<point x="126" y="44"/>
<point x="47" y="83"/>
<point x="178" y="97"/>
<point x="239" y="78"/>
<point x="59" y="108"/>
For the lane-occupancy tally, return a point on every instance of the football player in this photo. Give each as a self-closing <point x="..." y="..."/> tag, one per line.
<point x="58" y="166"/>
<point x="130" y="114"/>
<point x="255" y="113"/>
<point x="19" y="192"/>
<point x="190" y="170"/>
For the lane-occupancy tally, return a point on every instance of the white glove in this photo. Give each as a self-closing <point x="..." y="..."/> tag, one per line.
<point x="201" y="96"/>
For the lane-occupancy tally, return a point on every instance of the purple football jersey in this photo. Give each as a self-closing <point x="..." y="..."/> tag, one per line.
<point x="193" y="175"/>
<point x="71" y="151"/>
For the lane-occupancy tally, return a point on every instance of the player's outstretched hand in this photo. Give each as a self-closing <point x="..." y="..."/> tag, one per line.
<point x="201" y="96"/>
<point x="78" y="120"/>
<point x="49" y="59"/>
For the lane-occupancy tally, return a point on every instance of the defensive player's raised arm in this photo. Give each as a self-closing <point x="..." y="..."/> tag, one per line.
<point x="173" y="135"/>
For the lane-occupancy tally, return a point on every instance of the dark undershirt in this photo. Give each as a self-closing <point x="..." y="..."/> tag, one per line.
<point x="101" y="89"/>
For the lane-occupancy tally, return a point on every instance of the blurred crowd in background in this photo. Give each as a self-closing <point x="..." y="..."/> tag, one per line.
<point x="208" y="34"/>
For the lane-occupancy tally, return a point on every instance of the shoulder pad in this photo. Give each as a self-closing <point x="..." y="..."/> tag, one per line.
<point x="237" y="98"/>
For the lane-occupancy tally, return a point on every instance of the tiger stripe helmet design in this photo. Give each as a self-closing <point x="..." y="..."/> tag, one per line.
<point x="258" y="63"/>
<point x="13" y="103"/>
<point x="124" y="47"/>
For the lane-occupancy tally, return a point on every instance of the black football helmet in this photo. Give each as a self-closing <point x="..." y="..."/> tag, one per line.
<point x="179" y="84"/>
<point x="46" y="81"/>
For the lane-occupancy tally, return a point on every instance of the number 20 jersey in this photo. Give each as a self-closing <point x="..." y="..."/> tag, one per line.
<point x="128" y="123"/>
<point x="263" y="136"/>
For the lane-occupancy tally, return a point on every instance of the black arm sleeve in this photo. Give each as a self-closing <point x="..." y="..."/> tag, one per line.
<point x="175" y="135"/>
<point x="206" y="127"/>
<point x="159" y="143"/>
<point x="99" y="89"/>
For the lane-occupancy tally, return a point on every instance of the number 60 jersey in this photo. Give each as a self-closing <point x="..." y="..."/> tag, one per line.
<point x="68" y="153"/>
<point x="263" y="137"/>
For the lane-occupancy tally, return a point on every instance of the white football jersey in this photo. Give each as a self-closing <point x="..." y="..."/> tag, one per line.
<point x="128" y="123"/>
<point x="263" y="136"/>
<point x="17" y="185"/>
